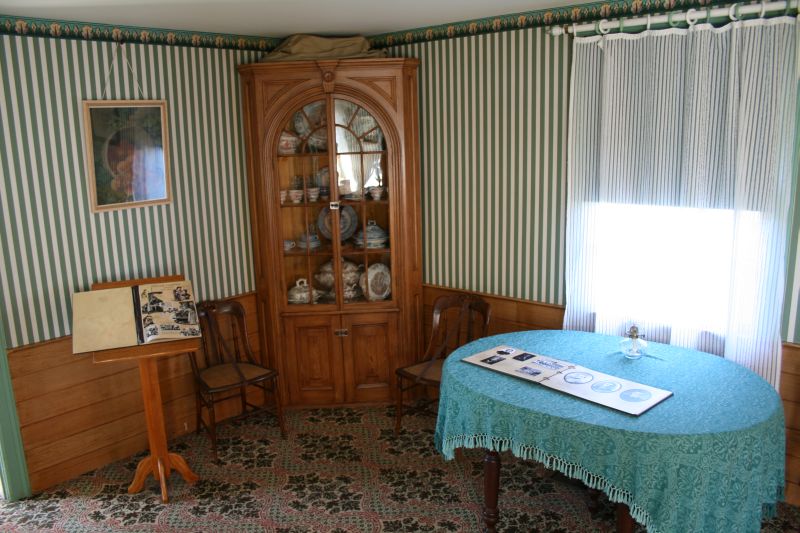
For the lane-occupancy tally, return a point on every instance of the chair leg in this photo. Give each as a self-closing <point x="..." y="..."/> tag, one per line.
<point x="278" y="406"/>
<point x="212" y="429"/>
<point x="399" y="411"/>
<point x="243" y="395"/>
<point x="198" y="405"/>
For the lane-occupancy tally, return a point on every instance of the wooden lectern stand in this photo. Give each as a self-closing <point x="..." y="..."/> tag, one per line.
<point x="160" y="462"/>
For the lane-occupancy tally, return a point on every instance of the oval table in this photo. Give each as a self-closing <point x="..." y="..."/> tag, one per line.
<point x="709" y="458"/>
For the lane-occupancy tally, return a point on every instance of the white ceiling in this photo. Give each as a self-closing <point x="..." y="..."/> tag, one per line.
<point x="275" y="18"/>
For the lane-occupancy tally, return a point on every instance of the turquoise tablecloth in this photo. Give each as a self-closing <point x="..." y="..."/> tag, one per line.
<point x="710" y="458"/>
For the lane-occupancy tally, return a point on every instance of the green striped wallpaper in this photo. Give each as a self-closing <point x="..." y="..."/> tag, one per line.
<point x="52" y="244"/>
<point x="493" y="115"/>
<point x="493" y="132"/>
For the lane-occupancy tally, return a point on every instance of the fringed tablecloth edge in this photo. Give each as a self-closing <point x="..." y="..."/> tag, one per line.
<point x="574" y="471"/>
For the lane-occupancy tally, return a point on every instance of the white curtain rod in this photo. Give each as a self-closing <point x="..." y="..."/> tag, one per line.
<point x="690" y="17"/>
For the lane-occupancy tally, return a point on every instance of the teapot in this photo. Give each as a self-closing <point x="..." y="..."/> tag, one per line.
<point x="350" y="274"/>
<point x="299" y="294"/>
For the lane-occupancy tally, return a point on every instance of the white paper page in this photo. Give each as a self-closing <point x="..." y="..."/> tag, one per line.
<point x="102" y="320"/>
<point x="617" y="393"/>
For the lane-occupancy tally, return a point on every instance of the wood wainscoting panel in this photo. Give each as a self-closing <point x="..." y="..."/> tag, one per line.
<point x="790" y="393"/>
<point x="508" y="314"/>
<point x="76" y="415"/>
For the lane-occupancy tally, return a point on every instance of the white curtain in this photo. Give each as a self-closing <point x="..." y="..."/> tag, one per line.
<point x="681" y="146"/>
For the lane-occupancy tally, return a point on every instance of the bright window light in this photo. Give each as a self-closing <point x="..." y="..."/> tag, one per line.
<point x="667" y="265"/>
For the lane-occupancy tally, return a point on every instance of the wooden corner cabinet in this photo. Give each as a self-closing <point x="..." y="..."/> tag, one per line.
<point x="333" y="175"/>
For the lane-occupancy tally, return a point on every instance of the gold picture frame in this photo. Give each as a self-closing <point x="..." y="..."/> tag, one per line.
<point x="127" y="153"/>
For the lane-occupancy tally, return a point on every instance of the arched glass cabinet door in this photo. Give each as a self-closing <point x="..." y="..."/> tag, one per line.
<point x="363" y="188"/>
<point x="303" y="174"/>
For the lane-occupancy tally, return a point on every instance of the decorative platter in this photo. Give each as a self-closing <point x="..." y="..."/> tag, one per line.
<point x="348" y="222"/>
<point x="379" y="278"/>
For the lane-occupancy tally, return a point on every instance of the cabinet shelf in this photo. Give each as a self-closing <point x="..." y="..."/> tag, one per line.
<point x="352" y="249"/>
<point x="367" y="152"/>
<point x="322" y="251"/>
<point x="363" y="201"/>
<point x="321" y="203"/>
<point x="307" y="154"/>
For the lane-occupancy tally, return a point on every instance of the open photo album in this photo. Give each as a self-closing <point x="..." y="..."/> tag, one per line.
<point x="127" y="316"/>
<point x="621" y="394"/>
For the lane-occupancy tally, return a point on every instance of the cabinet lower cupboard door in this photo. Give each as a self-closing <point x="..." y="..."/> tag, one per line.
<point x="369" y="356"/>
<point x="313" y="359"/>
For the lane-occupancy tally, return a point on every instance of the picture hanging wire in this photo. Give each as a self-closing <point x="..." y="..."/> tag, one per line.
<point x="113" y="65"/>
<point x="690" y="17"/>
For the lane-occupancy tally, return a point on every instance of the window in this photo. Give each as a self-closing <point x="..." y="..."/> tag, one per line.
<point x="668" y="267"/>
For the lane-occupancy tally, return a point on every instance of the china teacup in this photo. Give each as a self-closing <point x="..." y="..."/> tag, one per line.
<point x="313" y="194"/>
<point x="296" y="195"/>
<point x="283" y="196"/>
<point x="376" y="192"/>
<point x="288" y="244"/>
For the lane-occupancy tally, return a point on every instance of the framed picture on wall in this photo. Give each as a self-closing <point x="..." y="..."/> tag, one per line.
<point x="127" y="153"/>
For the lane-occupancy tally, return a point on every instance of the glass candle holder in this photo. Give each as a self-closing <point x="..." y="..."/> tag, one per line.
<point x="633" y="346"/>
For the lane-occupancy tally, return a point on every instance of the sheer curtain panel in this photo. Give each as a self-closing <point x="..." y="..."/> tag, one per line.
<point x="681" y="146"/>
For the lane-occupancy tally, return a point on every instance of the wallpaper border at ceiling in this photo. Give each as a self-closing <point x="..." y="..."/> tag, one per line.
<point x="92" y="31"/>
<point x="566" y="15"/>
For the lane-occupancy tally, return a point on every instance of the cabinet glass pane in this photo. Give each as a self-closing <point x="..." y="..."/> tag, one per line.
<point x="350" y="171"/>
<point x="352" y="268"/>
<point x="376" y="283"/>
<point x="304" y="183"/>
<point x="363" y="186"/>
<point x="305" y="131"/>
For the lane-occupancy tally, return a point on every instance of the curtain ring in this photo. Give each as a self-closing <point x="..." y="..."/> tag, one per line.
<point x="648" y="22"/>
<point x="691" y="20"/>
<point x="669" y="20"/>
<point x="597" y="27"/>
<point x="602" y="28"/>
<point x="733" y="12"/>
<point x="621" y="25"/>
<point x="574" y="29"/>
<point x="708" y="14"/>
<point x="763" y="9"/>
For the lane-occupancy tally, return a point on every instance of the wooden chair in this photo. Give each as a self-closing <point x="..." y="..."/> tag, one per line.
<point x="457" y="320"/>
<point x="229" y="366"/>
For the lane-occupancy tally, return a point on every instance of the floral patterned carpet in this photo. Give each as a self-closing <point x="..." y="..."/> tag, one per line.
<point x="340" y="470"/>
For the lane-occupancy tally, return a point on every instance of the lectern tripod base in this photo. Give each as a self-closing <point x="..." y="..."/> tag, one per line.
<point x="160" y="470"/>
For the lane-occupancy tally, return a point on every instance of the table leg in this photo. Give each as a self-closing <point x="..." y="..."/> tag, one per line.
<point x="594" y="500"/>
<point x="624" y="519"/>
<point x="491" y="490"/>
<point x="160" y="462"/>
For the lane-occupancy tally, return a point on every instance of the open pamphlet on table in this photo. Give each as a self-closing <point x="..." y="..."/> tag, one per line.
<point x="617" y="393"/>
<point x="128" y="316"/>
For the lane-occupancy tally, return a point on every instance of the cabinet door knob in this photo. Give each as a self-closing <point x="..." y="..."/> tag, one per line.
<point x="341" y="333"/>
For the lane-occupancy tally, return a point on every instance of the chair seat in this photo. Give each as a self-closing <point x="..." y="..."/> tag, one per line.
<point x="427" y="370"/>
<point x="225" y="376"/>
